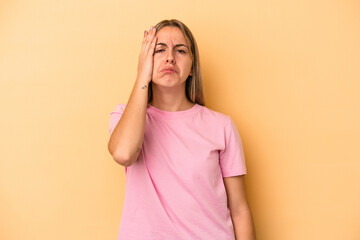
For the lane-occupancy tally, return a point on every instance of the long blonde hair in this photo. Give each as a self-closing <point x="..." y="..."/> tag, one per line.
<point x="193" y="88"/>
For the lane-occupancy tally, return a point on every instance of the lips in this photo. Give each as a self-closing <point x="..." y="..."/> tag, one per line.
<point x="169" y="70"/>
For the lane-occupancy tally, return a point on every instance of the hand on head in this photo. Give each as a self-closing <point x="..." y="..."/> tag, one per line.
<point x="146" y="59"/>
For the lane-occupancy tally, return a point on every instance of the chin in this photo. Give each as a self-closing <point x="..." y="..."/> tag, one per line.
<point x="166" y="81"/>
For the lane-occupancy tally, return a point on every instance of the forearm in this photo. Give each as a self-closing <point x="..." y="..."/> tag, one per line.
<point x="243" y="226"/>
<point x="127" y="138"/>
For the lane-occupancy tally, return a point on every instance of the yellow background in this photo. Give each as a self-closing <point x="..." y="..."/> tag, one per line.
<point x="287" y="72"/>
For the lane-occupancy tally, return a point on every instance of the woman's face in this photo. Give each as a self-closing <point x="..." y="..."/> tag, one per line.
<point x="172" y="59"/>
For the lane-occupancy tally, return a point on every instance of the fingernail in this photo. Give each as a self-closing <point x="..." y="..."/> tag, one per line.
<point x="151" y="27"/>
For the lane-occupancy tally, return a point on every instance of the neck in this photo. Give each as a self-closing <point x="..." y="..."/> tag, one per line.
<point x="171" y="100"/>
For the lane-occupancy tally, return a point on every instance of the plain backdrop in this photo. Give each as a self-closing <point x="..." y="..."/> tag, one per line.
<point x="287" y="72"/>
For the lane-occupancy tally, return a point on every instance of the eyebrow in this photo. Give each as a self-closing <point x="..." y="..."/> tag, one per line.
<point x="177" y="45"/>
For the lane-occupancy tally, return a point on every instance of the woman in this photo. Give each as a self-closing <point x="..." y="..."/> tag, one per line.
<point x="184" y="162"/>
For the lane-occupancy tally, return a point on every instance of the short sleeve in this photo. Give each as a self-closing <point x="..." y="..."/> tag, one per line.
<point x="232" y="159"/>
<point x="115" y="116"/>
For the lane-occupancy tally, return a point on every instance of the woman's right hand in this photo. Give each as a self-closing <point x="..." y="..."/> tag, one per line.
<point x="146" y="58"/>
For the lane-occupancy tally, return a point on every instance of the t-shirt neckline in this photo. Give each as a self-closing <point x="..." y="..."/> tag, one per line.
<point x="173" y="115"/>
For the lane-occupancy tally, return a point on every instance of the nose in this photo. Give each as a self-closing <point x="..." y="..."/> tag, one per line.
<point x="170" y="58"/>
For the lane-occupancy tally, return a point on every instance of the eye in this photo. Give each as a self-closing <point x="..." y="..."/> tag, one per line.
<point x="181" y="51"/>
<point x="159" y="50"/>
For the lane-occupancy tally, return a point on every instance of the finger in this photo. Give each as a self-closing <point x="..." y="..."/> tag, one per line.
<point x="151" y="36"/>
<point x="151" y="32"/>
<point x="148" y="38"/>
<point x="145" y="35"/>
<point x="153" y="44"/>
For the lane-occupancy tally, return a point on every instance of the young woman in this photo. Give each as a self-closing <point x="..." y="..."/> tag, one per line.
<point x="184" y="162"/>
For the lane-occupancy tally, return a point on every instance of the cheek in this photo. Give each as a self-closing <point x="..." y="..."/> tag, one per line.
<point x="189" y="65"/>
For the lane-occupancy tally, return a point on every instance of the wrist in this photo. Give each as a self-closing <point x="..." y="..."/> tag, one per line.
<point x="143" y="80"/>
<point x="143" y="84"/>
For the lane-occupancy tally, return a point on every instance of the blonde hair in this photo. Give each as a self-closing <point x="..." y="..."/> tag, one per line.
<point x="193" y="88"/>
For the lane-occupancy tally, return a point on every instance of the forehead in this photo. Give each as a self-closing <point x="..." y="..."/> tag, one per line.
<point x="170" y="36"/>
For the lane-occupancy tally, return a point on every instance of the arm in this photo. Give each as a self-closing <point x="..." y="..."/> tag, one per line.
<point x="127" y="138"/>
<point x="239" y="208"/>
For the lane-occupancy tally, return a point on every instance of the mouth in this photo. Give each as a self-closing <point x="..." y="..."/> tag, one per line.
<point x="168" y="70"/>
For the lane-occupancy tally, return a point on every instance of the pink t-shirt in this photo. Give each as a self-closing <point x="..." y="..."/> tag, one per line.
<point x="175" y="189"/>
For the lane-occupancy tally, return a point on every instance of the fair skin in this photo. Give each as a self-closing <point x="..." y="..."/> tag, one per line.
<point x="172" y="66"/>
<point x="166" y="61"/>
<point x="239" y="208"/>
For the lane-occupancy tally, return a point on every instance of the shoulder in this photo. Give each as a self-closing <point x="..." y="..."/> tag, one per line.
<point x="217" y="117"/>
